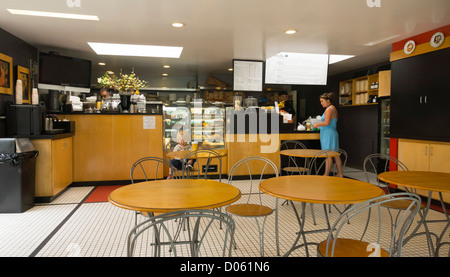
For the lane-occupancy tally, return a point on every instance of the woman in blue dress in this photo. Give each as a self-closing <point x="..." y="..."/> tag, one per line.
<point x="329" y="138"/>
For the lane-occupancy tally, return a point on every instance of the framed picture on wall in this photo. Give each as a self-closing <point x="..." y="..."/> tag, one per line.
<point x="6" y="74"/>
<point x="24" y="75"/>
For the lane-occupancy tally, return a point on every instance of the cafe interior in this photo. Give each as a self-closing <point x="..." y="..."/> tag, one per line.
<point x="174" y="128"/>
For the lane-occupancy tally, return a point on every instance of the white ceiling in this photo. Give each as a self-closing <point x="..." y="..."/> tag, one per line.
<point x="218" y="31"/>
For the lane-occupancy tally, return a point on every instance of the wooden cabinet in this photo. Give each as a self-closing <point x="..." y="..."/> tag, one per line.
<point x="420" y="97"/>
<point x="360" y="90"/>
<point x="53" y="166"/>
<point x="106" y="146"/>
<point x="425" y="156"/>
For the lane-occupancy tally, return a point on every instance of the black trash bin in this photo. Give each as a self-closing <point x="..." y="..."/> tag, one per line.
<point x="17" y="174"/>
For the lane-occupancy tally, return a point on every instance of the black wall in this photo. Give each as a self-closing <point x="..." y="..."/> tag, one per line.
<point x="22" y="54"/>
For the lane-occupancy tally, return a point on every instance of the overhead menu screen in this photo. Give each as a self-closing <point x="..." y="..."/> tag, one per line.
<point x="297" y="69"/>
<point x="248" y="75"/>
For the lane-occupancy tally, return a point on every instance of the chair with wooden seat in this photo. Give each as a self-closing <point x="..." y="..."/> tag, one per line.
<point x="317" y="165"/>
<point x="377" y="163"/>
<point x="201" y="233"/>
<point x="140" y="171"/>
<point x="293" y="165"/>
<point x="253" y="208"/>
<point x="196" y="169"/>
<point x="346" y="240"/>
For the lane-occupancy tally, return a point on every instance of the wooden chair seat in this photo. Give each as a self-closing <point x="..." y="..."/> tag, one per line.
<point x="295" y="169"/>
<point x="349" y="248"/>
<point x="249" y="210"/>
<point x="400" y="205"/>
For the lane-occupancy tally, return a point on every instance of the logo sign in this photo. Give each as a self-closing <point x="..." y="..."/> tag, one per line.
<point x="373" y="3"/>
<point x="73" y="3"/>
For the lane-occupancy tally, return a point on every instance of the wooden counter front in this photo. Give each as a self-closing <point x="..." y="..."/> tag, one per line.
<point x="105" y="146"/>
<point x="246" y="145"/>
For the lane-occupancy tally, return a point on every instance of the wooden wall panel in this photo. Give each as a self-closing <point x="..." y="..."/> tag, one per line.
<point x="132" y="142"/>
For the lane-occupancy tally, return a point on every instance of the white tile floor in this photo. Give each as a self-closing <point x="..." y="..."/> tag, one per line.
<point x="69" y="228"/>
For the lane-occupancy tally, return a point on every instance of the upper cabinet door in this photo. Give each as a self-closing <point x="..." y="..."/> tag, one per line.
<point x="420" y="96"/>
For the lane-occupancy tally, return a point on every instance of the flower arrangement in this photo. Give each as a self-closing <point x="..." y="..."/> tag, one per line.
<point x="106" y="81"/>
<point x="125" y="84"/>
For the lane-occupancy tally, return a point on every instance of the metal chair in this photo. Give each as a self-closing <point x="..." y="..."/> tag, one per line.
<point x="317" y="165"/>
<point x="292" y="166"/>
<point x="250" y="208"/>
<point x="210" y="156"/>
<point x="377" y="163"/>
<point x="318" y="162"/>
<point x="355" y="245"/>
<point x="143" y="165"/>
<point x="161" y="227"/>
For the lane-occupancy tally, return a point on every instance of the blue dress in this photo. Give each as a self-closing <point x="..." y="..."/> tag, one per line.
<point x="329" y="138"/>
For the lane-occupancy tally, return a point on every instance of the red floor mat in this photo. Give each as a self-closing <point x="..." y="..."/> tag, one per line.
<point x="100" y="194"/>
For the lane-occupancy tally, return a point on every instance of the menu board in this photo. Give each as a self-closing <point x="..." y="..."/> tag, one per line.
<point x="297" y="69"/>
<point x="248" y="75"/>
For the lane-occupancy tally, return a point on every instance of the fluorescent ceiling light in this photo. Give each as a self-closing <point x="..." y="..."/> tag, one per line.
<point x="136" y="50"/>
<point x="52" y="14"/>
<point x="177" y="24"/>
<point x="380" y="40"/>
<point x="339" y="58"/>
<point x="291" y="32"/>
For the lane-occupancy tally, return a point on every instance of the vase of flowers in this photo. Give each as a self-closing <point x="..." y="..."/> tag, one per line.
<point x="125" y="84"/>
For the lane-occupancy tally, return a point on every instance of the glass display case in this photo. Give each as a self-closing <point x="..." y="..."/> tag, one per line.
<point x="196" y="121"/>
<point x="385" y="130"/>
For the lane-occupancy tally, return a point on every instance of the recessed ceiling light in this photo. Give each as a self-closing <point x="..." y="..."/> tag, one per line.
<point x="177" y="24"/>
<point x="165" y="74"/>
<point x="101" y="63"/>
<point x="52" y="14"/>
<point x="291" y="32"/>
<point x="166" y="66"/>
<point x="136" y="50"/>
<point x="110" y="72"/>
<point x="230" y="69"/>
<point x="380" y="40"/>
<point x="338" y="58"/>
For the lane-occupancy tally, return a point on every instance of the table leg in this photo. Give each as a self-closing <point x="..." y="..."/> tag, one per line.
<point x="423" y="222"/>
<point x="439" y="242"/>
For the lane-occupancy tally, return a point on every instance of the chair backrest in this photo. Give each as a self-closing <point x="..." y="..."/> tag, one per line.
<point x="256" y="162"/>
<point x="209" y="155"/>
<point x="373" y="231"/>
<point x="151" y="164"/>
<point x="203" y="230"/>
<point x="291" y="161"/>
<point x="317" y="163"/>
<point x="377" y="163"/>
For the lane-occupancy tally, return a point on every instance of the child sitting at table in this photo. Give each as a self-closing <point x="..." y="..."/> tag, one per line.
<point x="178" y="163"/>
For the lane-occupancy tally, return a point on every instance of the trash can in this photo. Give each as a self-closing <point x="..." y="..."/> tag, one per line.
<point x="17" y="174"/>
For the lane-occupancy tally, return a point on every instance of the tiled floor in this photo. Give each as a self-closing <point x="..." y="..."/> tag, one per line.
<point x="67" y="227"/>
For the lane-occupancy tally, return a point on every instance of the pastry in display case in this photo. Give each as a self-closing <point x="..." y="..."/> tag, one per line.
<point x="196" y="121"/>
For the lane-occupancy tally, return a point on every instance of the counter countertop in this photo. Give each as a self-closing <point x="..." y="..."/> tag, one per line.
<point x="47" y="136"/>
<point x="103" y="113"/>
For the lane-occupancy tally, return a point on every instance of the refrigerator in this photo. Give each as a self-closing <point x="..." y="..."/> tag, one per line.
<point x="384" y="132"/>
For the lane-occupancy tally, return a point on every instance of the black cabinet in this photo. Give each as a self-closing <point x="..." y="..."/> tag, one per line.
<point x="420" y="97"/>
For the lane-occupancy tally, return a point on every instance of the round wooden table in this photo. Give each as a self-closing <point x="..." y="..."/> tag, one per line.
<point x="319" y="190"/>
<point x="182" y="154"/>
<point x="308" y="153"/>
<point x="162" y="196"/>
<point x="424" y="180"/>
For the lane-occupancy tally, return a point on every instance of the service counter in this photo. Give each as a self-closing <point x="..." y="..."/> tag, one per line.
<point x="265" y="145"/>
<point x="106" y="145"/>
